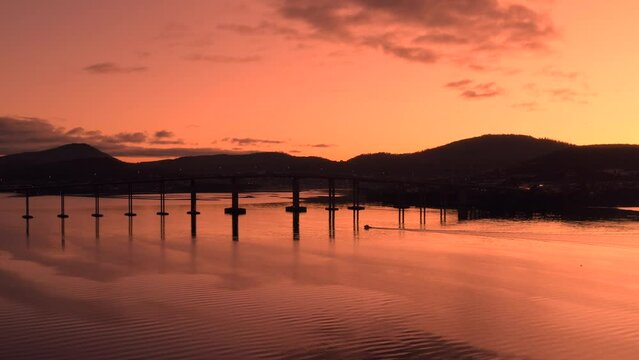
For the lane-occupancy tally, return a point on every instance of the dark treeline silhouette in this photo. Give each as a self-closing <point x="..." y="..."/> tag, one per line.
<point x="460" y="159"/>
<point x="471" y="157"/>
<point x="491" y="171"/>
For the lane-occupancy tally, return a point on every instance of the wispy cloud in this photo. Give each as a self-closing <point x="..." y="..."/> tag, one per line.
<point x="162" y="134"/>
<point x="436" y="37"/>
<point x="565" y="92"/>
<point x="569" y="95"/>
<point x="171" y="152"/>
<point x="411" y="53"/>
<point x="112" y="68"/>
<point x="560" y="74"/>
<point x="165" y="137"/>
<point x="321" y="146"/>
<point x="225" y="59"/>
<point x="480" y="91"/>
<point x="470" y="89"/>
<point x="469" y="28"/>
<point x="252" y="141"/>
<point x="134" y="137"/>
<point x="263" y="28"/>
<point x="459" y="84"/>
<point x="20" y="134"/>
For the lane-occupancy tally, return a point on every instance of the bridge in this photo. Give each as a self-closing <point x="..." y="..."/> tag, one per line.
<point x="234" y="182"/>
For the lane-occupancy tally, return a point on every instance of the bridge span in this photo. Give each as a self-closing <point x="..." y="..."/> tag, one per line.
<point x="234" y="187"/>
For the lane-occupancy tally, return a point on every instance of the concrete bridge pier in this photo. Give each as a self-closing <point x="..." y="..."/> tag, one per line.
<point x="193" y="212"/>
<point x="401" y="205"/>
<point x="443" y="201"/>
<point x="422" y="215"/>
<point x="332" y="206"/>
<point x="235" y="208"/>
<point x="401" y="214"/>
<point x="62" y="214"/>
<point x="97" y="214"/>
<point x="356" y="223"/>
<point x="442" y="215"/>
<point x="356" y="205"/>
<point x="162" y="211"/>
<point x="463" y="213"/>
<point x="27" y="214"/>
<point x="296" y="208"/>
<point x="130" y="212"/>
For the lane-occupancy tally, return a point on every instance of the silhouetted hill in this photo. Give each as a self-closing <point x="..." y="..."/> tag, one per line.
<point x="256" y="163"/>
<point x="500" y="173"/>
<point x="462" y="158"/>
<point x="489" y="159"/>
<point x="585" y="163"/>
<point x="67" y="163"/>
<point x="67" y="152"/>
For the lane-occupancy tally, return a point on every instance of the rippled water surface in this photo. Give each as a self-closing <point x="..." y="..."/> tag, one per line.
<point x="478" y="289"/>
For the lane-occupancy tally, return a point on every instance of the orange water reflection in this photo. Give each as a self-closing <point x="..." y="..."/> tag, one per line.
<point x="484" y="289"/>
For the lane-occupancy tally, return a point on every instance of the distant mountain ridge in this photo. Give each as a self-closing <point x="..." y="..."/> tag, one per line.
<point x="585" y="162"/>
<point x="71" y="162"/>
<point x="262" y="162"/>
<point x="464" y="157"/>
<point x="473" y="158"/>
<point x="67" y="152"/>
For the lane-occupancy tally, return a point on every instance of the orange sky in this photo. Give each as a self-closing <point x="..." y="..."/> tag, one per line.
<point x="314" y="77"/>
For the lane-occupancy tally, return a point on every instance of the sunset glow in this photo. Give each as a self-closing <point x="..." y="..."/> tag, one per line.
<point x="319" y="179"/>
<point x="313" y="77"/>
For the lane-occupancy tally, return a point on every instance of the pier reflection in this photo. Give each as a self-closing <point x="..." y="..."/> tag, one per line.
<point x="296" y="226"/>
<point x="130" y="228"/>
<point x="162" y="228"/>
<point x="162" y="244"/>
<point x="130" y="243"/>
<point x="28" y="227"/>
<point x="401" y="214"/>
<point x="422" y="217"/>
<point x="331" y="224"/>
<point x="98" y="250"/>
<point x="193" y="253"/>
<point x="356" y="223"/>
<point x="97" y="228"/>
<point x="235" y="226"/>
<point x="62" y="233"/>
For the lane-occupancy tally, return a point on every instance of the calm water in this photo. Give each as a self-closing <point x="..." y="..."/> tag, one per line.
<point x="482" y="289"/>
